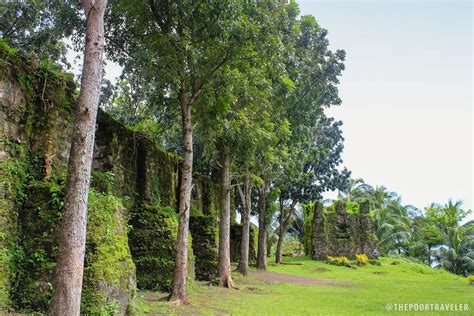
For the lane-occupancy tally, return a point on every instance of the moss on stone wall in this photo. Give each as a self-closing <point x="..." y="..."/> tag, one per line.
<point x="343" y="229"/>
<point x="236" y="238"/>
<point x="204" y="230"/>
<point x="153" y="245"/>
<point x="35" y="127"/>
<point x="13" y="177"/>
<point x="142" y="169"/>
<point x="109" y="274"/>
<point x="152" y="239"/>
<point x="309" y="211"/>
<point x="109" y="270"/>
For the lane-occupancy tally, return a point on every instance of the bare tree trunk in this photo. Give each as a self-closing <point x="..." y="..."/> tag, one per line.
<point x="66" y="299"/>
<point x="281" y="233"/>
<point x="178" y="291"/>
<point x="262" y="230"/>
<point x="269" y="245"/>
<point x="245" y="196"/>
<point x="225" y="277"/>
<point x="281" y="236"/>
<point x="284" y="221"/>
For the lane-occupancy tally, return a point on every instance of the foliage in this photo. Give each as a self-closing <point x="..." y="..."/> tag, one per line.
<point x="361" y="259"/>
<point x="38" y="27"/>
<point x="292" y="247"/>
<point x="339" y="261"/>
<point x="353" y="208"/>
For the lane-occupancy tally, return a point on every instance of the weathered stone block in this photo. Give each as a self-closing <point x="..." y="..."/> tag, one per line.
<point x="335" y="232"/>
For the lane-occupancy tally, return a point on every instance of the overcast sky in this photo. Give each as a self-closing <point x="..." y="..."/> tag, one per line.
<point x="407" y="94"/>
<point x="406" y="91"/>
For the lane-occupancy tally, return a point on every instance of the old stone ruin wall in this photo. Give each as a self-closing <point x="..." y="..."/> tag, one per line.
<point x="132" y="220"/>
<point x="342" y="229"/>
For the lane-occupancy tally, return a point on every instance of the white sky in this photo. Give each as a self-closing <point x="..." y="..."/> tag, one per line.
<point x="407" y="94"/>
<point x="406" y="91"/>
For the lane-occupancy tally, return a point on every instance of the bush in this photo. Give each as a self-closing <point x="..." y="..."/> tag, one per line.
<point x="361" y="259"/>
<point x="471" y="279"/>
<point x="339" y="261"/>
<point x="292" y="247"/>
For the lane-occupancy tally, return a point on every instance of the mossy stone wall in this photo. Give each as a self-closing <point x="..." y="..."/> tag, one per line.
<point x="343" y="229"/>
<point x="204" y="230"/>
<point x="35" y="127"/>
<point x="236" y="240"/>
<point x="36" y="103"/>
<point x="153" y="245"/>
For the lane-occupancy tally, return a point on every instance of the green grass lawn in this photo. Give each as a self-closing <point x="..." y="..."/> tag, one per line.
<point x="362" y="291"/>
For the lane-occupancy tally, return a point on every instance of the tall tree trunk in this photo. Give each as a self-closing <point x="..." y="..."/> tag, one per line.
<point x="66" y="299"/>
<point x="429" y="255"/>
<point x="225" y="277"/>
<point x="245" y="196"/>
<point x="178" y="291"/>
<point x="269" y="245"/>
<point x="284" y="221"/>
<point x="262" y="230"/>
<point x="281" y="236"/>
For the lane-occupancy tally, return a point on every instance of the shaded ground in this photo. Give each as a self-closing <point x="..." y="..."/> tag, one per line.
<point x="287" y="278"/>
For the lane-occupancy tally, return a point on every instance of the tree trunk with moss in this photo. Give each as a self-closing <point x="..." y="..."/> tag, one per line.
<point x="178" y="291"/>
<point x="262" y="230"/>
<point x="225" y="277"/>
<point x="66" y="299"/>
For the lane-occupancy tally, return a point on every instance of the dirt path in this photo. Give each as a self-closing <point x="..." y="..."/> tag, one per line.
<point x="286" y="278"/>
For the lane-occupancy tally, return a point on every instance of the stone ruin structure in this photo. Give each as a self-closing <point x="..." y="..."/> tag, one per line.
<point x="343" y="229"/>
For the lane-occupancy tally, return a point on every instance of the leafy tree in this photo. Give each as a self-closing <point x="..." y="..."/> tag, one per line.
<point x="180" y="48"/>
<point x="312" y="72"/>
<point x="426" y="235"/>
<point x="38" y="27"/>
<point x="456" y="253"/>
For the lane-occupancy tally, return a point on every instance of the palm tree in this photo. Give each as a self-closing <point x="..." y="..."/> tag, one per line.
<point x="457" y="256"/>
<point x="381" y="196"/>
<point x="392" y="226"/>
<point x="355" y="191"/>
<point x="457" y="252"/>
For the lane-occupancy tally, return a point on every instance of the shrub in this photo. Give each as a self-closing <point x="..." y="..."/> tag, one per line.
<point x="292" y="247"/>
<point x="339" y="261"/>
<point x="361" y="259"/>
<point x="353" y="208"/>
<point x="471" y="279"/>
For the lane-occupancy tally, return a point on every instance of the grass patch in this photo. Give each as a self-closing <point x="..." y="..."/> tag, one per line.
<point x="362" y="291"/>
